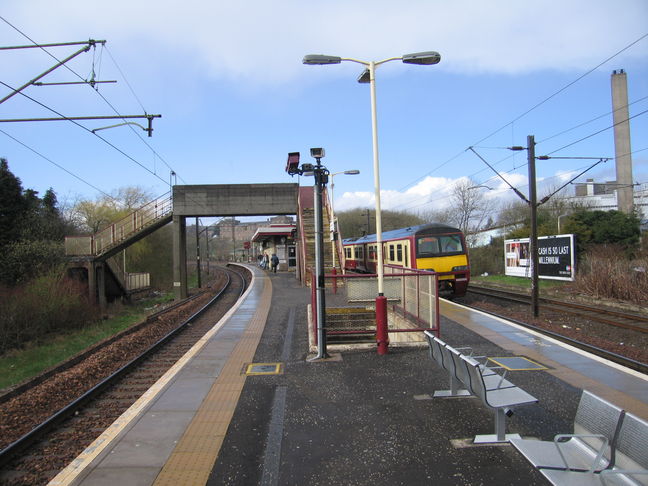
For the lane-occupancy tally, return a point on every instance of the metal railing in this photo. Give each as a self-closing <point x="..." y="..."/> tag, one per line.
<point x="136" y="281"/>
<point x="116" y="233"/>
<point x="412" y="299"/>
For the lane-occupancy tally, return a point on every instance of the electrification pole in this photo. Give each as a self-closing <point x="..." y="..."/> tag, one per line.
<point x="198" y="253"/>
<point x="533" y="244"/>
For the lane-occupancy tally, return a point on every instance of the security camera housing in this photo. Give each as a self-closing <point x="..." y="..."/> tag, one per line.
<point x="317" y="153"/>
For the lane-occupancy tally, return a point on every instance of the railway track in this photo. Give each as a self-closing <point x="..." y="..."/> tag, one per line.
<point x="608" y="316"/>
<point x="613" y="319"/>
<point x="54" y="441"/>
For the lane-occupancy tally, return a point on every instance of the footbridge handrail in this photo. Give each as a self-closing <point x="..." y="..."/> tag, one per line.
<point x="115" y="233"/>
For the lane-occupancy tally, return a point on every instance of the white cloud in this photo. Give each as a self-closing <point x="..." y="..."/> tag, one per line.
<point x="434" y="193"/>
<point x="261" y="42"/>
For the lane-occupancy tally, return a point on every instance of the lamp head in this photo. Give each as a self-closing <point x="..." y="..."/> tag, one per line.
<point x="425" y="58"/>
<point x="321" y="59"/>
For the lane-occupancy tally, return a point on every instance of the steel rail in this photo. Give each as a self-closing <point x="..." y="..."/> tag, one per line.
<point x="592" y="313"/>
<point x="32" y="436"/>
<point x="614" y="357"/>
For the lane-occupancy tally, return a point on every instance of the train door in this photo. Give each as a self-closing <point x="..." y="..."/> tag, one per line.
<point x="406" y="254"/>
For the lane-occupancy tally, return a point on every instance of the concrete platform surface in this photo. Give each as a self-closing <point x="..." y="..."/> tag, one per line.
<point x="364" y="419"/>
<point x="354" y="419"/>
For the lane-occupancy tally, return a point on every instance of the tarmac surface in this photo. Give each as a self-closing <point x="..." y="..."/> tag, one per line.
<point x="364" y="419"/>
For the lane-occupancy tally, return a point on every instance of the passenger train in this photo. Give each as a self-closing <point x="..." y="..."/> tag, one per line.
<point x="436" y="247"/>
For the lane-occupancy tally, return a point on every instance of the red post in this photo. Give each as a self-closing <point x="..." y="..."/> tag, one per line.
<point x="334" y="272"/>
<point x="314" y="303"/>
<point x="382" y="336"/>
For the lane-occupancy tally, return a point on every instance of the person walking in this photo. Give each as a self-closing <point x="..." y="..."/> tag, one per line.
<point x="275" y="262"/>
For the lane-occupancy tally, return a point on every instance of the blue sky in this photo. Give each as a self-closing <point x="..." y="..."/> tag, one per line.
<point x="235" y="98"/>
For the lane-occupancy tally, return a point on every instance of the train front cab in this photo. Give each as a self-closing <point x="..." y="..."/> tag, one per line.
<point x="445" y="254"/>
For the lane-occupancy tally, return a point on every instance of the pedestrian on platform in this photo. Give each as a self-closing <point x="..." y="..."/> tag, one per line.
<point x="275" y="262"/>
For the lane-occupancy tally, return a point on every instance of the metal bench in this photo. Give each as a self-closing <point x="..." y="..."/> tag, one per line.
<point x="494" y="390"/>
<point x="438" y="352"/>
<point x="589" y="448"/>
<point x="448" y="358"/>
<point x="499" y="398"/>
<point x="628" y="462"/>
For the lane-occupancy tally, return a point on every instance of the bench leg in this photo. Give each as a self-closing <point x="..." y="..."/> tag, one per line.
<point x="454" y="390"/>
<point x="500" y="434"/>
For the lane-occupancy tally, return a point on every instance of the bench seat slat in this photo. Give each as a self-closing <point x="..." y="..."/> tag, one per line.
<point x="595" y="427"/>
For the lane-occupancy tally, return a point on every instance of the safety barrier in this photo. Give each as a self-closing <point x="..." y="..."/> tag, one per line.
<point x="411" y="298"/>
<point x="137" y="281"/>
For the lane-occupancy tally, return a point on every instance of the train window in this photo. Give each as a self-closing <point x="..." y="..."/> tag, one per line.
<point x="391" y="253"/>
<point x="428" y="245"/>
<point x="359" y="252"/>
<point x="439" y="245"/>
<point x="450" y="244"/>
<point x="399" y="253"/>
<point x="347" y="253"/>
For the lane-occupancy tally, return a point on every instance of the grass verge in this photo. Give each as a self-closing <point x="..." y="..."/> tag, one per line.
<point x="517" y="282"/>
<point x="21" y="364"/>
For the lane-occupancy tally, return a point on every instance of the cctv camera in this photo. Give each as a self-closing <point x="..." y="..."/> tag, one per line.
<point x="317" y="153"/>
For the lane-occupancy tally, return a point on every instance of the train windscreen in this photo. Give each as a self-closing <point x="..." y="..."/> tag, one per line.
<point x="438" y="245"/>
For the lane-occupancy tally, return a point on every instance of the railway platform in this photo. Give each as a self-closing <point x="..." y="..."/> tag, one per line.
<point x="246" y="406"/>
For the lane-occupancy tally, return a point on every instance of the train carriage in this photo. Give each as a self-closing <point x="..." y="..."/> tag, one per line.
<point x="436" y="247"/>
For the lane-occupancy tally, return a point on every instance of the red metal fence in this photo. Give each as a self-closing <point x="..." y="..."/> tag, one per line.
<point x="412" y="301"/>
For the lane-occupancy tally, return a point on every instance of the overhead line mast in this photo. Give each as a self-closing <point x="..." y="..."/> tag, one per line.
<point x="87" y="45"/>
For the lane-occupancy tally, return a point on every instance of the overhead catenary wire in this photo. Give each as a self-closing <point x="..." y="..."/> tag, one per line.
<point x="89" y="131"/>
<point x="406" y="206"/>
<point x="549" y="153"/>
<point x="79" y="178"/>
<point x="534" y="107"/>
<point x="98" y="93"/>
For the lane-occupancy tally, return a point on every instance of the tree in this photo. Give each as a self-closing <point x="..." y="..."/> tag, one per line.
<point x="604" y="227"/>
<point x="359" y="222"/>
<point x="104" y="210"/>
<point x="469" y="209"/>
<point x="12" y="204"/>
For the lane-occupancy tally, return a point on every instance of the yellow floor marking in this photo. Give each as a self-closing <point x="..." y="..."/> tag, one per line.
<point x="263" y="369"/>
<point x="556" y="369"/>
<point x="193" y="459"/>
<point x="126" y="420"/>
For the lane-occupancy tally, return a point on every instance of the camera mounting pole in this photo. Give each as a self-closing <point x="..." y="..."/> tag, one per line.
<point x="321" y="174"/>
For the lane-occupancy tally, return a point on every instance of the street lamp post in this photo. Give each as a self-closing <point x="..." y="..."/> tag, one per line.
<point x="368" y="76"/>
<point x="333" y="219"/>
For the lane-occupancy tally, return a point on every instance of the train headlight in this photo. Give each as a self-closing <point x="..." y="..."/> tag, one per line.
<point x="460" y="268"/>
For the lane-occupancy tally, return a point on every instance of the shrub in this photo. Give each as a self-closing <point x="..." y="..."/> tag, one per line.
<point x="603" y="273"/>
<point x="23" y="260"/>
<point x="487" y="259"/>
<point x="47" y="304"/>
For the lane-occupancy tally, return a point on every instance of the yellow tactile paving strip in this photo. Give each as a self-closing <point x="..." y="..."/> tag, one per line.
<point x="193" y="458"/>
<point x="79" y="466"/>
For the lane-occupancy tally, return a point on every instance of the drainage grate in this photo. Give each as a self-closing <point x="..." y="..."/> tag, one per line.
<point x="263" y="369"/>
<point x="517" y="363"/>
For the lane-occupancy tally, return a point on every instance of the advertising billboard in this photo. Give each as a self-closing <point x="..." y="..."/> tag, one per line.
<point x="556" y="257"/>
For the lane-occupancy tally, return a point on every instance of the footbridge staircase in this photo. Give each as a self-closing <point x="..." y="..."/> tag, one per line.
<point x="92" y="256"/>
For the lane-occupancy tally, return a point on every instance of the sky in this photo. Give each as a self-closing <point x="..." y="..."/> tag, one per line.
<point x="234" y="97"/>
